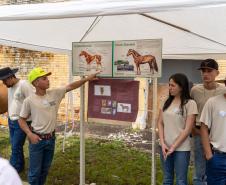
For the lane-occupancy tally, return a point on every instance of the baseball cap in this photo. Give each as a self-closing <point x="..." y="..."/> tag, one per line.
<point x="208" y="64"/>
<point x="36" y="73"/>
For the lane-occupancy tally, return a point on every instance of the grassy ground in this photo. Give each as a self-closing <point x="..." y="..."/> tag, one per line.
<point x="107" y="163"/>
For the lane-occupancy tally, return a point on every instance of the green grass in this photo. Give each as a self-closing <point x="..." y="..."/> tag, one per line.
<point x="107" y="163"/>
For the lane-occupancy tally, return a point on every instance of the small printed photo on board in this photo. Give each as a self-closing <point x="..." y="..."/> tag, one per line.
<point x="104" y="103"/>
<point x="102" y="90"/>
<point x="106" y="110"/>
<point x="114" y="104"/>
<point x="124" y="108"/>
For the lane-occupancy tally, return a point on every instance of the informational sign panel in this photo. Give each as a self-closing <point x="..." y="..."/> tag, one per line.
<point x="138" y="58"/>
<point x="113" y="99"/>
<point x="89" y="57"/>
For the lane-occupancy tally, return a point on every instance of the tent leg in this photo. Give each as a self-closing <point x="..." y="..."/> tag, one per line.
<point x="154" y="113"/>
<point x="82" y="136"/>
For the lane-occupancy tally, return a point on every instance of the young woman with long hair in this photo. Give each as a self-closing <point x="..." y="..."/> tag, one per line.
<point x="175" y="123"/>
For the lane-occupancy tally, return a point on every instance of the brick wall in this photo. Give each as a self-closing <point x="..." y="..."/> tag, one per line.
<point x="26" y="60"/>
<point x="222" y="69"/>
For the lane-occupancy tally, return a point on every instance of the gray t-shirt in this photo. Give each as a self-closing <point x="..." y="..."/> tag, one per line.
<point x="43" y="110"/>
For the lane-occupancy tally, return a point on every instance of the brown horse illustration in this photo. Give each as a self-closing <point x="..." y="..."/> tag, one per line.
<point x="139" y="59"/>
<point x="90" y="58"/>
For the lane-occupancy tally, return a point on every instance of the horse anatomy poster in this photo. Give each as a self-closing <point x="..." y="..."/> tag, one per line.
<point x="138" y="58"/>
<point x="113" y="99"/>
<point x="90" y="57"/>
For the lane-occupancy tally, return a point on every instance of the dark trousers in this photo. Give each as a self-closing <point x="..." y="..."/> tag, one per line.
<point x="216" y="169"/>
<point x="17" y="139"/>
<point x="40" y="156"/>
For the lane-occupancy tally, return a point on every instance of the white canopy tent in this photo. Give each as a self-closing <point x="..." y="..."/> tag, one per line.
<point x="190" y="29"/>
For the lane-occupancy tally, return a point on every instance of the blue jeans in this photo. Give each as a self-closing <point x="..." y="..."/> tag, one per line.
<point x="177" y="162"/>
<point x="41" y="156"/>
<point x="216" y="170"/>
<point x="199" y="176"/>
<point x="17" y="139"/>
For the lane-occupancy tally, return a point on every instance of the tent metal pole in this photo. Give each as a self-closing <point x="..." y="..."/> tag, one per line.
<point x="181" y="28"/>
<point x="70" y="78"/>
<point x="82" y="135"/>
<point x="94" y="23"/>
<point x="154" y="113"/>
<point x="82" y="119"/>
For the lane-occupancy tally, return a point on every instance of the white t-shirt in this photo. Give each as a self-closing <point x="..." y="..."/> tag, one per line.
<point x="16" y="96"/>
<point x="201" y="95"/>
<point x="174" y="123"/>
<point x="8" y="175"/>
<point x="214" y="116"/>
<point x="43" y="110"/>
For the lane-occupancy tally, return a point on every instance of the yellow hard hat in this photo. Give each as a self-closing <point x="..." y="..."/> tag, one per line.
<point x="36" y="73"/>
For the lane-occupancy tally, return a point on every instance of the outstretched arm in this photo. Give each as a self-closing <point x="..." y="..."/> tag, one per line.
<point x="79" y="83"/>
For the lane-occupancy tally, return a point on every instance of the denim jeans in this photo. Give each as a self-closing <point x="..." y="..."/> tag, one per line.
<point x="199" y="176"/>
<point x="216" y="170"/>
<point x="177" y="162"/>
<point x="17" y="139"/>
<point x="40" y="156"/>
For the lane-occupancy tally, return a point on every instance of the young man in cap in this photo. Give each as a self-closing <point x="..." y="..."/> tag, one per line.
<point x="213" y="134"/>
<point x="42" y="107"/>
<point x="201" y="93"/>
<point x="18" y="90"/>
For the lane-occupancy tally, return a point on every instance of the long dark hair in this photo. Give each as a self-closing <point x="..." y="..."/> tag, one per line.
<point x="181" y="80"/>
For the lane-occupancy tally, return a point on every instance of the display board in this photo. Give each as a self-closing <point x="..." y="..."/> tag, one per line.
<point x="137" y="58"/>
<point x="89" y="57"/>
<point x="113" y="99"/>
<point x="122" y="59"/>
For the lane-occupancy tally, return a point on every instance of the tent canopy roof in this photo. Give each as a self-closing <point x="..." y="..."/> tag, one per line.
<point x="188" y="28"/>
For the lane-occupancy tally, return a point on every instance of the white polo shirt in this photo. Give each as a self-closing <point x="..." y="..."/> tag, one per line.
<point x="214" y="116"/>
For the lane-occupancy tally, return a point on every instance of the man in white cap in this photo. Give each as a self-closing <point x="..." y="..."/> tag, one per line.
<point x="18" y="90"/>
<point x="43" y="107"/>
<point x="213" y="134"/>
